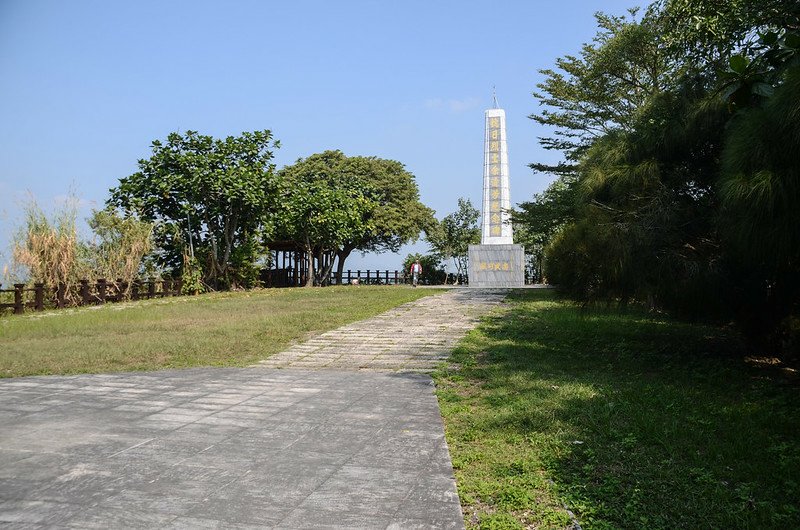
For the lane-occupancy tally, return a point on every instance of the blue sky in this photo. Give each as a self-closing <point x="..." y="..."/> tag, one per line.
<point x="85" y="86"/>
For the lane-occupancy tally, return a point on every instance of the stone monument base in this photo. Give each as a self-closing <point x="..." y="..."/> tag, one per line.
<point x="496" y="266"/>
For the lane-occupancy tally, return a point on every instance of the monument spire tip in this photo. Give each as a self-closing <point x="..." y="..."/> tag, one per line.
<point x="494" y="97"/>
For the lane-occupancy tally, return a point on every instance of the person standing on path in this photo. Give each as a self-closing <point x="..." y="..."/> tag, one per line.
<point x="416" y="270"/>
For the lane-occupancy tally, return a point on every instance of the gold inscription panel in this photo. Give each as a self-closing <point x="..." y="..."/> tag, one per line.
<point x="495" y="133"/>
<point x="495" y="265"/>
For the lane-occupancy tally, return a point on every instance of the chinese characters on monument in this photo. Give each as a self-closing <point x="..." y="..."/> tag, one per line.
<point x="494" y="211"/>
<point x="496" y="228"/>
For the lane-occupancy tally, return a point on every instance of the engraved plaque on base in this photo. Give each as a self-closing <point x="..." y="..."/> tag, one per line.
<point x="496" y="266"/>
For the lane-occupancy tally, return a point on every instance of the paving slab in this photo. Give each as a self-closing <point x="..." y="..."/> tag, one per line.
<point x="354" y="440"/>
<point x="223" y="448"/>
<point x="414" y="337"/>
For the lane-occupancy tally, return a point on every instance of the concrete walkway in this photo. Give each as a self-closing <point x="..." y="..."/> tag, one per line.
<point x="242" y="448"/>
<point x="412" y="337"/>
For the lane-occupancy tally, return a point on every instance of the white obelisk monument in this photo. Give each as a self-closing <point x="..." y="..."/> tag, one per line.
<point x="497" y="261"/>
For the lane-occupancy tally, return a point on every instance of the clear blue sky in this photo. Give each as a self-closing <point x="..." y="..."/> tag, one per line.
<point x="85" y="86"/>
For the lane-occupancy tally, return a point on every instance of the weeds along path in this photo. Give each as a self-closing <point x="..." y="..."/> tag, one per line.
<point x="413" y="337"/>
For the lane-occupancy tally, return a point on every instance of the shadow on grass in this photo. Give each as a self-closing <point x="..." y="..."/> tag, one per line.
<point x="632" y="421"/>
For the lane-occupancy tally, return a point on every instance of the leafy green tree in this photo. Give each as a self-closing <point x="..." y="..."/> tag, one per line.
<point x="703" y="36"/>
<point x="594" y="103"/>
<point x="452" y="236"/>
<point x="216" y="195"/>
<point x="652" y="192"/>
<point x="651" y="222"/>
<point x="760" y="212"/>
<point x="321" y="210"/>
<point x="602" y="90"/>
<point x="536" y="222"/>
<point x="396" y="217"/>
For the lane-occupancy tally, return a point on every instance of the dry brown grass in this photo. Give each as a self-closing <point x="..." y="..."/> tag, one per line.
<point x="50" y="250"/>
<point x="52" y="253"/>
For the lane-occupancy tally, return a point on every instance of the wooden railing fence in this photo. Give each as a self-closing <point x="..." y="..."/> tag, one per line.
<point x="386" y="277"/>
<point x="39" y="297"/>
<point x="369" y="277"/>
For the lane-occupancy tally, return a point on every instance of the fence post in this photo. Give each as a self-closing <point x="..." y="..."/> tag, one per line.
<point x="19" y="307"/>
<point x="61" y="294"/>
<point x="387" y="276"/>
<point x="166" y="288"/>
<point x="349" y="276"/>
<point x="38" y="297"/>
<point x="120" y="290"/>
<point x="151" y="289"/>
<point x="178" y="286"/>
<point x="396" y="279"/>
<point x="101" y="290"/>
<point x="84" y="292"/>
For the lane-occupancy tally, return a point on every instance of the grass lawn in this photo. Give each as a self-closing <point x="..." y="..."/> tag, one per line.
<point x="221" y="329"/>
<point x="626" y="419"/>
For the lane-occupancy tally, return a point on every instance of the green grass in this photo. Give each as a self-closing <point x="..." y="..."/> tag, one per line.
<point x="222" y="329"/>
<point x="627" y="420"/>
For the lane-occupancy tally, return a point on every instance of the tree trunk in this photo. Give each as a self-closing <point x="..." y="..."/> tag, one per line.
<point x="318" y="278"/>
<point x="325" y="274"/>
<point x="341" y="256"/>
<point x="310" y="263"/>
<point x="324" y="269"/>
<point x="457" y="262"/>
<point x="540" y="270"/>
<point x="214" y="268"/>
<point x="228" y="232"/>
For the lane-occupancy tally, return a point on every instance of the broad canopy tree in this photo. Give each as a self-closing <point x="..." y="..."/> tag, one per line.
<point x="398" y="217"/>
<point x="388" y="214"/>
<point x="320" y="217"/>
<point x="214" y="196"/>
